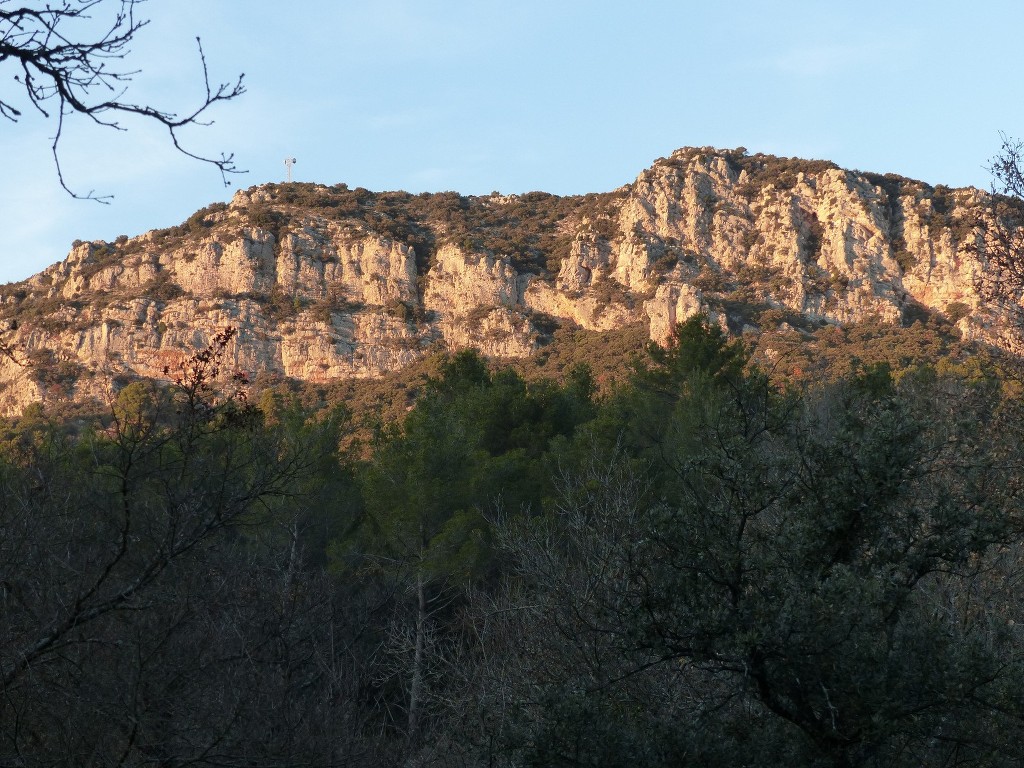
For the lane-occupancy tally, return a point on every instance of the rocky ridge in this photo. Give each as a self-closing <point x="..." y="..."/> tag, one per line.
<point x="328" y="282"/>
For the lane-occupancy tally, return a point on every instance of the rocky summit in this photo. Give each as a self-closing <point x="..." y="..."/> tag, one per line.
<point x="329" y="282"/>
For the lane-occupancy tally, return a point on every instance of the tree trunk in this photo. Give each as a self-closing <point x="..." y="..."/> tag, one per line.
<point x="416" y="686"/>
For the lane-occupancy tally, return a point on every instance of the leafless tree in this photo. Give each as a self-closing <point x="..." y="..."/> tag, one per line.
<point x="1002" y="233"/>
<point x="69" y="55"/>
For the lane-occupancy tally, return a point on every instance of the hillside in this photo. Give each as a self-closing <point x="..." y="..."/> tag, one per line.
<point x="665" y="561"/>
<point x="329" y="283"/>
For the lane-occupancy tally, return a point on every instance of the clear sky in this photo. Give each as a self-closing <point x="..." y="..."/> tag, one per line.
<point x="565" y="96"/>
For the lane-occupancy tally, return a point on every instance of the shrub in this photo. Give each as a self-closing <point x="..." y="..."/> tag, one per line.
<point x="162" y="288"/>
<point x="903" y="257"/>
<point x="957" y="311"/>
<point x="709" y="280"/>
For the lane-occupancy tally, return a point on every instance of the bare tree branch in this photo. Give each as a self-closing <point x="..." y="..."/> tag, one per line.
<point x="1001" y="243"/>
<point x="64" y="68"/>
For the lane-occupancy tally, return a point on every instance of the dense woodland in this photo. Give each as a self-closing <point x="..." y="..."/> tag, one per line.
<point x="698" y="566"/>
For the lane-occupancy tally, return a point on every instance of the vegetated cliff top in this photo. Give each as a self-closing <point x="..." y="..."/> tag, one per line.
<point x="328" y="283"/>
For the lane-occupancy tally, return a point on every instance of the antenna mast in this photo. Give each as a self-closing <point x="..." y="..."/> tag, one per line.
<point x="288" y="163"/>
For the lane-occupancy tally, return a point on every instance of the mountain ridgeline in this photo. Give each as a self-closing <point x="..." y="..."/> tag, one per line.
<point x="326" y="283"/>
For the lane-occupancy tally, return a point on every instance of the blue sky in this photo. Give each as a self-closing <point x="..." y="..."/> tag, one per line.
<point x="565" y="96"/>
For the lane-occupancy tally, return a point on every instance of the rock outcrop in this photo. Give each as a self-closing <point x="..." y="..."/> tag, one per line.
<point x="327" y="282"/>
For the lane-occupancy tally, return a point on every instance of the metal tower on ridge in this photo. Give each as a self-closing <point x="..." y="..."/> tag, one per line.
<point x="288" y="163"/>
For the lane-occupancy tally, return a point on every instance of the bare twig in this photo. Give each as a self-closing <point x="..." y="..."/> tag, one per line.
<point x="62" y="73"/>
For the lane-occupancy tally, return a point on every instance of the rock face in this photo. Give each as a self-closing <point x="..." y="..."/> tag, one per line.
<point x="327" y="282"/>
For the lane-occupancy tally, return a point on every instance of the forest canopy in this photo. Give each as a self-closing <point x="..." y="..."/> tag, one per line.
<point x="701" y="566"/>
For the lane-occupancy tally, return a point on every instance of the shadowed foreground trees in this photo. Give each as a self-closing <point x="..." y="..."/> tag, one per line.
<point x="760" y="579"/>
<point x="700" y="570"/>
<point x="155" y="605"/>
<point x="475" y="441"/>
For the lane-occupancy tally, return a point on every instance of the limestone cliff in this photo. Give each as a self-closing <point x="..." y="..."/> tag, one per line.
<point x="327" y="282"/>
